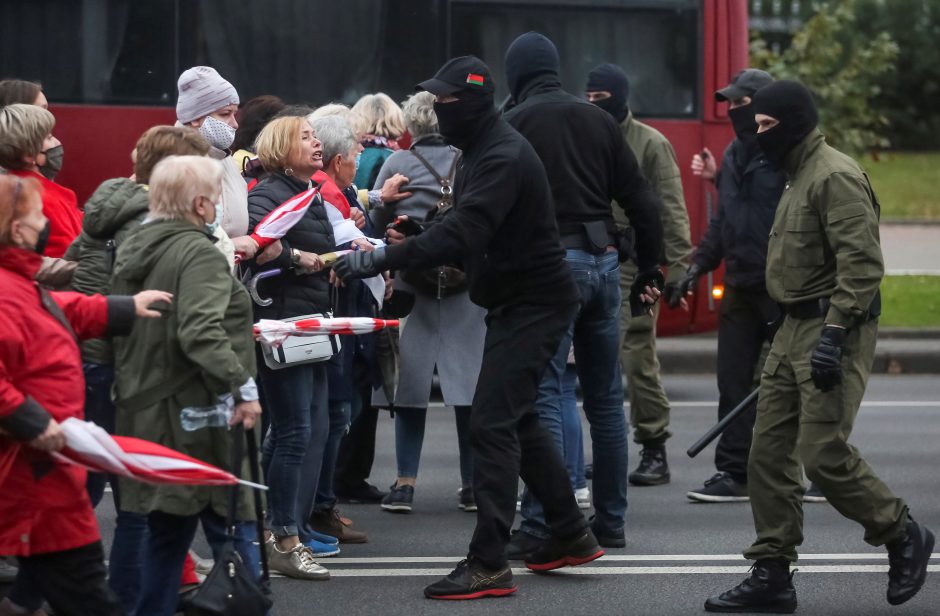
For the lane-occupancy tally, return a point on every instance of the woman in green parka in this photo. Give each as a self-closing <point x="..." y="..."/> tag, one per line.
<point x="200" y="356"/>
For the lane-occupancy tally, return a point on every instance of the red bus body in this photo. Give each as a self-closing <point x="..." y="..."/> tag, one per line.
<point x="98" y="140"/>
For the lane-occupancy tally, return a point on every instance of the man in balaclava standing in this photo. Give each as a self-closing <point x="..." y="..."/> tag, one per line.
<point x="749" y="187"/>
<point x="824" y="266"/>
<point x="502" y="227"/>
<point x="609" y="89"/>
<point x="589" y="165"/>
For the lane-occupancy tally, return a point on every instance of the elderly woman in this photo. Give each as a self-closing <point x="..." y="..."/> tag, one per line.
<point x="295" y="396"/>
<point x="48" y="522"/>
<point x="26" y="142"/>
<point x="383" y="126"/>
<point x="200" y="355"/>
<point x="445" y="332"/>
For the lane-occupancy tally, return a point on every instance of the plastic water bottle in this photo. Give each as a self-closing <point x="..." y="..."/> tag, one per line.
<point x="216" y="416"/>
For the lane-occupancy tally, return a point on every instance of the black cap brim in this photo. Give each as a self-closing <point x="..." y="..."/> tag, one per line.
<point x="438" y="87"/>
<point x="731" y="92"/>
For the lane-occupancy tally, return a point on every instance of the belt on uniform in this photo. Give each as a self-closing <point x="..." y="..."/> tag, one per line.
<point x="808" y="309"/>
<point x="578" y="241"/>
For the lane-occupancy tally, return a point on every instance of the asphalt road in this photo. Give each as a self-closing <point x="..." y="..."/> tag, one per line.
<point x="677" y="554"/>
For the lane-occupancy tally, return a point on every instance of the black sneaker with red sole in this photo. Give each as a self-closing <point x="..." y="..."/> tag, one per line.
<point x="557" y="553"/>
<point x="471" y="580"/>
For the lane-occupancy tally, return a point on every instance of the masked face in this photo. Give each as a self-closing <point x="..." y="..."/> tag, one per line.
<point x="50" y="169"/>
<point x="217" y="133"/>
<point x="212" y="227"/>
<point x="745" y="127"/>
<point x="31" y="232"/>
<point x="460" y="120"/>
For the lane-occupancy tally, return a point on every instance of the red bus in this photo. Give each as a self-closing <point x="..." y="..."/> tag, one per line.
<point x="109" y="67"/>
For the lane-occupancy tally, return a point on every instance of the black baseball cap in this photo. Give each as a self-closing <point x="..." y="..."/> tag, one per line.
<point x="464" y="74"/>
<point x="745" y="83"/>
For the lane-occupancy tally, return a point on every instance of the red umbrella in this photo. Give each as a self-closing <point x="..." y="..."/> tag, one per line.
<point x="90" y="446"/>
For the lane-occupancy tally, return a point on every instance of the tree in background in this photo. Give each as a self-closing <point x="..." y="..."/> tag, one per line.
<point x="844" y="68"/>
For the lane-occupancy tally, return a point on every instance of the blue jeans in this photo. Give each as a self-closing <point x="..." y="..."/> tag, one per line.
<point x="595" y="334"/>
<point x="99" y="409"/>
<point x="340" y="412"/>
<point x="571" y="428"/>
<point x="170" y="538"/>
<point x="292" y="456"/>
<point x="409" y="440"/>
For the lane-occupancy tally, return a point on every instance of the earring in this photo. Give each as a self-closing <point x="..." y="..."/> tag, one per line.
<point x="288" y="171"/>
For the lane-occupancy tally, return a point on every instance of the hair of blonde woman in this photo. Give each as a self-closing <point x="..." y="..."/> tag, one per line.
<point x="159" y="142"/>
<point x="419" y="115"/>
<point x="336" y="137"/>
<point x="356" y="121"/>
<point x="278" y="141"/>
<point x="15" y="196"/>
<point x="383" y="117"/>
<point x="176" y="183"/>
<point x="23" y="128"/>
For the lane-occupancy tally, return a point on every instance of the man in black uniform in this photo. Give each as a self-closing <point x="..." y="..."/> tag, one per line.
<point x="503" y="229"/>
<point x="589" y="165"/>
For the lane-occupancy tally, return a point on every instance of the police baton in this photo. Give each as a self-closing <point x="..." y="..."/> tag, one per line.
<point x="719" y="427"/>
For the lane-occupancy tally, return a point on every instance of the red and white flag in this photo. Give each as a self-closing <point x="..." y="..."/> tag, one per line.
<point x="281" y="219"/>
<point x="88" y="445"/>
<point x="275" y="332"/>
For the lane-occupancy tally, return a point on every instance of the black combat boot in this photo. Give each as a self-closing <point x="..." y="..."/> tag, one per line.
<point x="653" y="469"/>
<point x="769" y="590"/>
<point x="907" y="558"/>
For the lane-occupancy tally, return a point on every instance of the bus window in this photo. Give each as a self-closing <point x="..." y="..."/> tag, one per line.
<point x="656" y="43"/>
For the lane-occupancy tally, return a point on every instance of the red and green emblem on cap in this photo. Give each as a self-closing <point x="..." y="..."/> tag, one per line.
<point x="475" y="80"/>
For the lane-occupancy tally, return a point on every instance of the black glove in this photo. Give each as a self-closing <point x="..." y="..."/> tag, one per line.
<point x="826" y="361"/>
<point x="360" y="264"/>
<point x="650" y="278"/>
<point x="671" y="294"/>
<point x="690" y="281"/>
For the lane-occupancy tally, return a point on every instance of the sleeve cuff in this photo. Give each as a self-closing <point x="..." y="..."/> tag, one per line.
<point x="246" y="392"/>
<point x="837" y="317"/>
<point x="121" y="314"/>
<point x="396" y="257"/>
<point x="27" y="421"/>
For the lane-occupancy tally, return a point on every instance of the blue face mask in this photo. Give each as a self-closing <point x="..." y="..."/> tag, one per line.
<point x="212" y="227"/>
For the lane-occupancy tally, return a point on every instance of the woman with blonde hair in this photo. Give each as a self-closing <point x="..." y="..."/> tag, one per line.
<point x="384" y="124"/>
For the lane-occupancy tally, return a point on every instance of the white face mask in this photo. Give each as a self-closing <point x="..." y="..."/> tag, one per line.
<point x="217" y="133"/>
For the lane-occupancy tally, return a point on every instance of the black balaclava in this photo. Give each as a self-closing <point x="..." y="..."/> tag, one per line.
<point x="611" y="78"/>
<point x="530" y="55"/>
<point x="745" y="127"/>
<point x="791" y="103"/>
<point x="460" y="121"/>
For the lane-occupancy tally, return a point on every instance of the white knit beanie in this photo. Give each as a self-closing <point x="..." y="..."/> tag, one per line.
<point x="202" y="91"/>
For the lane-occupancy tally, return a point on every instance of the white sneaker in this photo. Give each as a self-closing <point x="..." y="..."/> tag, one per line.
<point x="297" y="562"/>
<point x="583" y="496"/>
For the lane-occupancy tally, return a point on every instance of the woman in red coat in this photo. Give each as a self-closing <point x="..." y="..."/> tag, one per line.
<point x="26" y="146"/>
<point x="48" y="522"/>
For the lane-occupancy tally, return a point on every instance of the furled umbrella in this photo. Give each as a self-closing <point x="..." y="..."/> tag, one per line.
<point x="281" y="219"/>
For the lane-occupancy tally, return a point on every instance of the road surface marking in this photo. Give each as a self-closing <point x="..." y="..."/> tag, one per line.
<point x="740" y="570"/>
<point x="377" y="560"/>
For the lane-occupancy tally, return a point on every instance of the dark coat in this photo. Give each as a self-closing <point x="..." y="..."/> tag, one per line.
<point x="293" y="295"/>
<point x="502" y="226"/>
<point x="588" y="165"/>
<point x="749" y="187"/>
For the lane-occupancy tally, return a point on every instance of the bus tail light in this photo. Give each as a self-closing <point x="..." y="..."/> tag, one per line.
<point x="718" y="291"/>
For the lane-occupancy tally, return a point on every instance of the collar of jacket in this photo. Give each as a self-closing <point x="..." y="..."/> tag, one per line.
<point x="802" y="151"/>
<point x="19" y="261"/>
<point x="429" y="139"/>
<point x="539" y="84"/>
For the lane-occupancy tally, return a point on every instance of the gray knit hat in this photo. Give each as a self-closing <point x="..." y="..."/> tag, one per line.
<point x="201" y="91"/>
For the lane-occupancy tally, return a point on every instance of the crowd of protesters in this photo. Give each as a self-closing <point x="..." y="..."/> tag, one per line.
<point x="171" y="242"/>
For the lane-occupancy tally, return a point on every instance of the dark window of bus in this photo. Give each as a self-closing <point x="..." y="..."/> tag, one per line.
<point x="95" y="51"/>
<point x="655" y="43"/>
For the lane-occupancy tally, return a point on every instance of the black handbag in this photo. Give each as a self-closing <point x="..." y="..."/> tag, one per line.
<point x="231" y="589"/>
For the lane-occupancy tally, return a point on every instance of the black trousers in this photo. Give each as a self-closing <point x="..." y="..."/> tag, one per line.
<point x="74" y="582"/>
<point x="506" y="436"/>
<point x="357" y="449"/>
<point x="748" y="319"/>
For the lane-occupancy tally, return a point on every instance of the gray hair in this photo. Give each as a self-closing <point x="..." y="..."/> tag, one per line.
<point x="23" y="128"/>
<point x="176" y="183"/>
<point x="356" y="121"/>
<point x="419" y="114"/>
<point x="335" y="135"/>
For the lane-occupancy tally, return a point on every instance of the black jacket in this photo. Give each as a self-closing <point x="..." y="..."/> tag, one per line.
<point x="749" y="187"/>
<point x="293" y="295"/>
<point x="502" y="226"/>
<point x="588" y="164"/>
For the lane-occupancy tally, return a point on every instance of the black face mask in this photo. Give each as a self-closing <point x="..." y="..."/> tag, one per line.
<point x="53" y="164"/>
<point x="460" y="121"/>
<point x="42" y="240"/>
<point x="614" y="107"/>
<point x="745" y="127"/>
<point x="775" y="144"/>
<point x="610" y="78"/>
<point x="793" y="106"/>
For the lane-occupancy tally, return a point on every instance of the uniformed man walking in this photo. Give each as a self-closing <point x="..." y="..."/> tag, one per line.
<point x="609" y="88"/>
<point x="824" y="265"/>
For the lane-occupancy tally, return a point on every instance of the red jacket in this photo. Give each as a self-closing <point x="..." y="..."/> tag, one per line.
<point x="60" y="206"/>
<point x="43" y="505"/>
